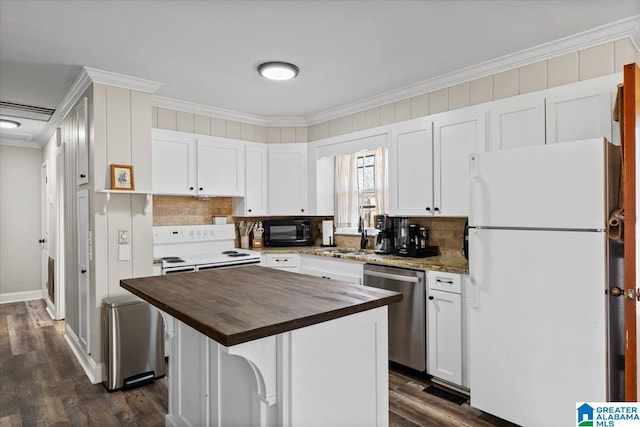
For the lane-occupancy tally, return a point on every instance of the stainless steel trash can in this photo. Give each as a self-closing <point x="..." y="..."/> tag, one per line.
<point x="132" y="342"/>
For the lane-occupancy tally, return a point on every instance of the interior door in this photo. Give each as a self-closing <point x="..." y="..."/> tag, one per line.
<point x="59" y="226"/>
<point x="44" y="227"/>
<point x="631" y="130"/>
<point x="83" y="269"/>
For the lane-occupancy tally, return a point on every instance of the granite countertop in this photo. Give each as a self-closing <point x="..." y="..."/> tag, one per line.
<point x="451" y="263"/>
<point x="237" y="305"/>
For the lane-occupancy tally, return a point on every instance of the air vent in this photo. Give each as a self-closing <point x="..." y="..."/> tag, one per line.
<point x="10" y="109"/>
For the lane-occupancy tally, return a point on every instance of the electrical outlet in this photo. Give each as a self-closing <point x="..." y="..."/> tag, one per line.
<point x="123" y="237"/>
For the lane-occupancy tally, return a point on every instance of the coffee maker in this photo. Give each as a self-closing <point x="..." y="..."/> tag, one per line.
<point x="411" y="239"/>
<point x="384" y="240"/>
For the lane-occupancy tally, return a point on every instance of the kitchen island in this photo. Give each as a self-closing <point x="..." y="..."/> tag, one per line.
<point x="255" y="346"/>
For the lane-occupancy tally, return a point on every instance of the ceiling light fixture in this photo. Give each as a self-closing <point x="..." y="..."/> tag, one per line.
<point x="278" y="70"/>
<point x="9" y="124"/>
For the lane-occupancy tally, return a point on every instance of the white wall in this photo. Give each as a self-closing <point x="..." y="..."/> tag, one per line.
<point x="20" y="253"/>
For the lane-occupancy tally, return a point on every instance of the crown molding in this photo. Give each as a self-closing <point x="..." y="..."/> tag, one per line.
<point x="85" y="78"/>
<point x="22" y="143"/>
<point x="79" y="86"/>
<point x="222" y="113"/>
<point x="120" y="80"/>
<point x="626" y="28"/>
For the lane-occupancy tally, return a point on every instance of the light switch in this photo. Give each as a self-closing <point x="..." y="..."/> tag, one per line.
<point x="123" y="253"/>
<point x="123" y="237"/>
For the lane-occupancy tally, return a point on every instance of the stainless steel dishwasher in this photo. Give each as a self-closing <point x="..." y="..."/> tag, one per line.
<point x="407" y="318"/>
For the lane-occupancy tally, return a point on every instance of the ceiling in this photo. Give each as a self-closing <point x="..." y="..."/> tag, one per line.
<point x="206" y="52"/>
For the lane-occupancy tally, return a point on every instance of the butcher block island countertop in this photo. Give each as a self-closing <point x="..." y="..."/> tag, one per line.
<point x="255" y="346"/>
<point x="237" y="305"/>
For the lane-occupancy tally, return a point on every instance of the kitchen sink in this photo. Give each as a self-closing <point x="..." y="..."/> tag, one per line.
<point x="340" y="252"/>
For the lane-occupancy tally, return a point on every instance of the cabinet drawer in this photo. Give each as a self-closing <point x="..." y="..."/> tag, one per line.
<point x="283" y="260"/>
<point x="447" y="282"/>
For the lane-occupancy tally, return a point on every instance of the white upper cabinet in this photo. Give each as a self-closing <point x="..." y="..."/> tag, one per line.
<point x="580" y="111"/>
<point x="287" y="179"/>
<point x="173" y="157"/>
<point x="187" y="164"/>
<point x="456" y="135"/>
<point x="517" y="122"/>
<point x="254" y="202"/>
<point x="325" y="186"/>
<point x="410" y="169"/>
<point x="220" y="167"/>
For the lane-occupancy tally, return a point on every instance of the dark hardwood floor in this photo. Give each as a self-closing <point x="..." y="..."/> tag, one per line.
<point x="41" y="383"/>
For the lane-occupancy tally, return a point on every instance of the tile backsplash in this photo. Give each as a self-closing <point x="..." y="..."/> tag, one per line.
<point x="445" y="233"/>
<point x="180" y="210"/>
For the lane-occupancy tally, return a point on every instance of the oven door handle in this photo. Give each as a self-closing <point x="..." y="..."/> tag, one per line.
<point x="174" y="270"/>
<point x="390" y="276"/>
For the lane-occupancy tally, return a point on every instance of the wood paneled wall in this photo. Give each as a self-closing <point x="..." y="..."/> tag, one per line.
<point x="586" y="64"/>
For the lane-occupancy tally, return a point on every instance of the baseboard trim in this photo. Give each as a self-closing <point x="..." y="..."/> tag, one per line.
<point x="93" y="370"/>
<point x="10" y="297"/>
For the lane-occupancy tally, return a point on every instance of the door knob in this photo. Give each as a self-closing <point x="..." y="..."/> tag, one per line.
<point x="616" y="291"/>
<point x="431" y="298"/>
<point x="41" y="241"/>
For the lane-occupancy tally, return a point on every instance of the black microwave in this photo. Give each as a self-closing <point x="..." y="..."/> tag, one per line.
<point x="287" y="232"/>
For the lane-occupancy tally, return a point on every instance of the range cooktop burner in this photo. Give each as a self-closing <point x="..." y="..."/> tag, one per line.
<point x="230" y="252"/>
<point x="236" y="254"/>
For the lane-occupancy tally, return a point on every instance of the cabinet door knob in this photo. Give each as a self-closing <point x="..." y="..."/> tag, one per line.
<point x="83" y="271"/>
<point x="301" y="210"/>
<point x="83" y="175"/>
<point x="430" y="298"/>
<point x="201" y="188"/>
<point x="428" y="209"/>
<point x="191" y="188"/>
<point x="248" y="210"/>
<point x="41" y="241"/>
<point x="436" y="209"/>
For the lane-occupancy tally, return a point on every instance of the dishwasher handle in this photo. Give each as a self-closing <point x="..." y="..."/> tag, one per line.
<point x="393" y="276"/>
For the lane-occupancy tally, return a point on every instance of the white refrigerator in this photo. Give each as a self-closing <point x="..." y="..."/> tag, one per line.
<point x="539" y="270"/>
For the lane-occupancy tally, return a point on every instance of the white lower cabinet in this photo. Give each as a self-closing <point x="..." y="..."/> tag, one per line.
<point x="333" y="373"/>
<point x="332" y="268"/>
<point x="445" y="344"/>
<point x="285" y="262"/>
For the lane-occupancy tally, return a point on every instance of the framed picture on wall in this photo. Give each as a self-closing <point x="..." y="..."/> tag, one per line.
<point x="122" y="177"/>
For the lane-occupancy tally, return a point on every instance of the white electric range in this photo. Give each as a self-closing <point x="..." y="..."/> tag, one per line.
<point x="187" y="248"/>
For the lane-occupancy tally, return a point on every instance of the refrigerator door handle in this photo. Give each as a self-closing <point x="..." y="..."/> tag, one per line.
<point x="474" y="262"/>
<point x="474" y="181"/>
<point x="475" y="299"/>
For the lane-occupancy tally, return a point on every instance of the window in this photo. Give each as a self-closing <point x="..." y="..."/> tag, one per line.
<point x="361" y="188"/>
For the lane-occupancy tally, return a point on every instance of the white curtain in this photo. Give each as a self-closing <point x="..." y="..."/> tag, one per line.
<point x="347" y="210"/>
<point x="346" y="198"/>
<point x="382" y="183"/>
